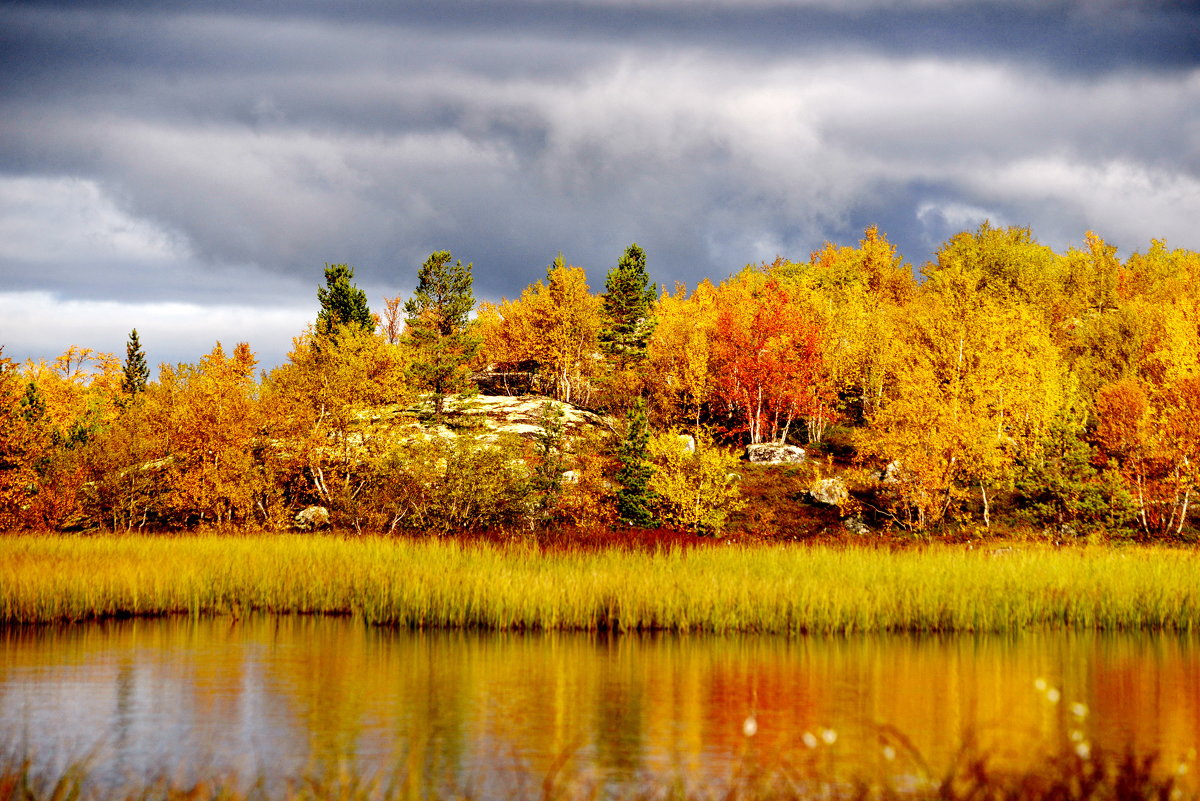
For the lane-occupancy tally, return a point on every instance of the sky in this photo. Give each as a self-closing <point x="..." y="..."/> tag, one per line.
<point x="188" y="169"/>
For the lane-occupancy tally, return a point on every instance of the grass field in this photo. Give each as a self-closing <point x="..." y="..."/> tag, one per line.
<point x="444" y="583"/>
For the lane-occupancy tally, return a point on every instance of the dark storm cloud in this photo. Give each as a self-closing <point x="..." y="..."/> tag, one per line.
<point x="219" y="154"/>
<point x="1081" y="36"/>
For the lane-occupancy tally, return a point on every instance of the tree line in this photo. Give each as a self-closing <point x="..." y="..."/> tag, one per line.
<point x="1063" y="388"/>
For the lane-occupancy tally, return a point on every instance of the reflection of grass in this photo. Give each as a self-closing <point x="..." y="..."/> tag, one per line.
<point x="444" y="583"/>
<point x="1066" y="776"/>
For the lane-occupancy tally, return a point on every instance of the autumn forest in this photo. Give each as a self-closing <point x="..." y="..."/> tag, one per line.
<point x="1001" y="385"/>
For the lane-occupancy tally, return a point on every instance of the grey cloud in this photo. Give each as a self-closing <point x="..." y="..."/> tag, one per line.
<point x="255" y="144"/>
<point x="1083" y="36"/>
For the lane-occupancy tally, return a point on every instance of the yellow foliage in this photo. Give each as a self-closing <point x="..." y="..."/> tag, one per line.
<point x="209" y="415"/>
<point x="976" y="382"/>
<point x="324" y="411"/>
<point x="679" y="352"/>
<point x="554" y="323"/>
<point x="694" y="482"/>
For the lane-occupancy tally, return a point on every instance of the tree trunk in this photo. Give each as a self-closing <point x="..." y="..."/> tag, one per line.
<point x="987" y="520"/>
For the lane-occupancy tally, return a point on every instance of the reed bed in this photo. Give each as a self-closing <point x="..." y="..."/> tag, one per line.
<point x="1064" y="775"/>
<point x="443" y="583"/>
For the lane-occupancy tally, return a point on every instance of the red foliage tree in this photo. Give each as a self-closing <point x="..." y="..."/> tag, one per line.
<point x="767" y="359"/>
<point x="1154" y="448"/>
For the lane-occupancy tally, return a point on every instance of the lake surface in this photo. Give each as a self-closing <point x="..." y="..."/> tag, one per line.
<point x="273" y="698"/>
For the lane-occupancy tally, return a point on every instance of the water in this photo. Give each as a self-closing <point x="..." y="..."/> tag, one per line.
<point x="273" y="698"/>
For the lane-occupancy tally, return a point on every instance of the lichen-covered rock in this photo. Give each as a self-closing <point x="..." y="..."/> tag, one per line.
<point x="774" y="453"/>
<point x="856" y="526"/>
<point x="829" y="491"/>
<point x="312" y="517"/>
<point x="489" y="415"/>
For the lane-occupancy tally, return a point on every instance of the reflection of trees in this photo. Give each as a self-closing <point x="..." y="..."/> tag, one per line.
<point x="123" y="715"/>
<point x="377" y="698"/>
<point x="466" y="708"/>
<point x="619" y="724"/>
<point x="1147" y="691"/>
<point x="430" y="700"/>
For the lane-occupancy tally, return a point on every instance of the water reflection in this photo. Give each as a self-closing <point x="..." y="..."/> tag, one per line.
<point x="276" y="696"/>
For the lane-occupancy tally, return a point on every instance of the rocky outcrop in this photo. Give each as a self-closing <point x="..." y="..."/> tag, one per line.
<point x="829" y="492"/>
<point x="774" y="453"/>
<point x="483" y="416"/>
<point x="522" y="415"/>
<point x="856" y="526"/>
<point x="311" y="518"/>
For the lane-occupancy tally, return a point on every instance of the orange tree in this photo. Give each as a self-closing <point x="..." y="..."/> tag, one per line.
<point x="766" y="357"/>
<point x="329" y="413"/>
<point x="208" y="415"/>
<point x="18" y="450"/>
<point x="65" y="405"/>
<point x="1152" y="445"/>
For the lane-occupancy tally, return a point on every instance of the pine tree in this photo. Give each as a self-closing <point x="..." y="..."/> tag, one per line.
<point x="342" y="303"/>
<point x="635" y="497"/>
<point x="628" y="297"/>
<point x="438" y="331"/>
<point x="135" y="372"/>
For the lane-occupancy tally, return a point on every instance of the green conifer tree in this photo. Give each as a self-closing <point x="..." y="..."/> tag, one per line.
<point x="547" y="479"/>
<point x="342" y="303"/>
<point x="634" y="498"/>
<point x="33" y="403"/>
<point x="628" y="297"/>
<point x="438" y="327"/>
<point x="135" y="371"/>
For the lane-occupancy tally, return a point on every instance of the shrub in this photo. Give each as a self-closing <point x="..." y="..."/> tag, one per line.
<point x="442" y="485"/>
<point x="694" y="487"/>
<point x="587" y="496"/>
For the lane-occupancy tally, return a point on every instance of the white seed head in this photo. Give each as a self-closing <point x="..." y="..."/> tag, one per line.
<point x="1039" y="684"/>
<point x="809" y="739"/>
<point x="889" y="753"/>
<point x="1079" y="710"/>
<point x="1053" y="695"/>
<point x="829" y="736"/>
<point x="750" y="726"/>
<point x="1083" y="750"/>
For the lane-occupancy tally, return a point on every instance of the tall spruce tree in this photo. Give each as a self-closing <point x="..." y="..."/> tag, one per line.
<point x="628" y="297"/>
<point x="135" y="372"/>
<point x="342" y="303"/>
<point x="635" y="497"/>
<point x="438" y="326"/>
